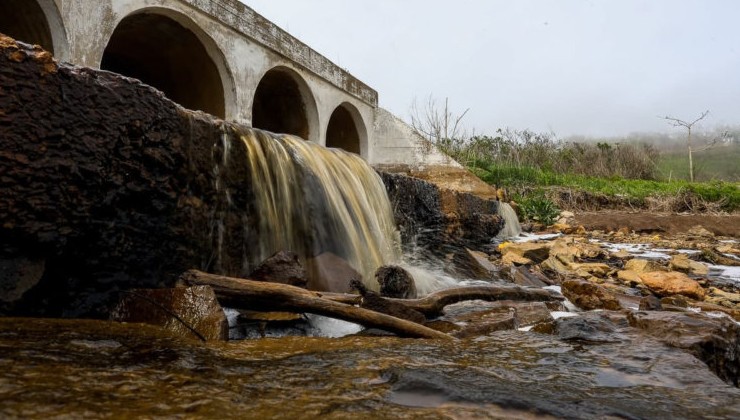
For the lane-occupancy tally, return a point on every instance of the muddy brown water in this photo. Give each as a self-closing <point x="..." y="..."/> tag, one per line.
<point x="94" y="369"/>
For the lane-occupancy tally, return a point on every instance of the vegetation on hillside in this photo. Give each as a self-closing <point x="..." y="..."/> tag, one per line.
<point x="641" y="171"/>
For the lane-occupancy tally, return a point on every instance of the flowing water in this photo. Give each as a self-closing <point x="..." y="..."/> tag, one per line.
<point x="512" y="228"/>
<point x="92" y="369"/>
<point x="312" y="200"/>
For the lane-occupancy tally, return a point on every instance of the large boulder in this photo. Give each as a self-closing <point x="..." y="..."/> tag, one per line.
<point x="664" y="283"/>
<point x="329" y="272"/>
<point x="533" y="251"/>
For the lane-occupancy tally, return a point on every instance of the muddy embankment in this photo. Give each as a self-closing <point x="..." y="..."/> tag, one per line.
<point x="659" y="223"/>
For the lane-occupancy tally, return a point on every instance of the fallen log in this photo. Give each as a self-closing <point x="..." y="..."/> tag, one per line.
<point x="433" y="304"/>
<point x="254" y="295"/>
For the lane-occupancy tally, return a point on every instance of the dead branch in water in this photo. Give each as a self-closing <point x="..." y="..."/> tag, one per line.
<point x="255" y="295"/>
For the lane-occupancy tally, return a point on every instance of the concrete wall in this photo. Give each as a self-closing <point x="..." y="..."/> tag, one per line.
<point x="245" y="46"/>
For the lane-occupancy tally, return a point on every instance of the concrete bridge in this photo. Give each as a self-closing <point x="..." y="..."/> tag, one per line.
<point x="223" y="58"/>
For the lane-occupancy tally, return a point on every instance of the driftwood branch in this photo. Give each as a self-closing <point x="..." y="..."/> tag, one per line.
<point x="254" y="295"/>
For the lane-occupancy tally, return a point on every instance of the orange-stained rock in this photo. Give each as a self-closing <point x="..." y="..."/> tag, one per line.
<point x="672" y="283"/>
<point x="589" y="296"/>
<point x="177" y="310"/>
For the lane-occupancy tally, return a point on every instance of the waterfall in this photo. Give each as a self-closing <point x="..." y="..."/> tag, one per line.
<point x="312" y="200"/>
<point x="512" y="228"/>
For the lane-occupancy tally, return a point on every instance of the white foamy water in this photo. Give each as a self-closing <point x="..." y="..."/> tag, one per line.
<point x="322" y="326"/>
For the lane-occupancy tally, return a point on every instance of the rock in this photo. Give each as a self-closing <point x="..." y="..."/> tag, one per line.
<point x="722" y="298"/>
<point x="589" y="296"/>
<point x="639" y="266"/>
<point x="536" y="252"/>
<point x="628" y="276"/>
<point x="622" y="254"/>
<point x="17" y="276"/>
<point x="555" y="265"/>
<point x="512" y="259"/>
<point x="474" y="265"/>
<point x="526" y="277"/>
<point x="728" y="249"/>
<point x="373" y="301"/>
<point x="650" y="303"/>
<point x="530" y="313"/>
<point x="672" y="283"/>
<point x="284" y="267"/>
<point x="586" y="270"/>
<point x="711" y="307"/>
<point x="700" y="231"/>
<point x="682" y="263"/>
<point x="485" y="323"/>
<point x="328" y="272"/>
<point x="395" y="282"/>
<point x="715" y="341"/>
<point x="592" y="327"/>
<point x="677" y="301"/>
<point x="177" y="310"/>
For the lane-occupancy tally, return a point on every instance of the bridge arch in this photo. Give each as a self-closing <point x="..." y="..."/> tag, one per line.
<point x="346" y="129"/>
<point x="283" y="103"/>
<point x="35" y="22"/>
<point x="167" y="50"/>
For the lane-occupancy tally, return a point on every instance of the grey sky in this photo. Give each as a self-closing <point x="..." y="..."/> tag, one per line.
<point x="594" y="67"/>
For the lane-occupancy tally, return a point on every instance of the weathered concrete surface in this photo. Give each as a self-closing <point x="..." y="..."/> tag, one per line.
<point x="244" y="47"/>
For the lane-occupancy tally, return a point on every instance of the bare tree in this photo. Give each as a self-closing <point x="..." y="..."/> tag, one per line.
<point x="689" y="126"/>
<point x="438" y="125"/>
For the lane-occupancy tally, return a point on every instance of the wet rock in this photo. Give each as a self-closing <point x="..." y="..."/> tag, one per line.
<point x="530" y="313"/>
<point x="682" y="263"/>
<point x="284" y="267"/>
<point x="650" y="303"/>
<point x="474" y="265"/>
<point x="640" y="266"/>
<point x="373" y="301"/>
<point x="715" y="341"/>
<point x="593" y="327"/>
<point x="586" y="270"/>
<point x="677" y="301"/>
<point x="622" y="254"/>
<point x="526" y="277"/>
<point x="328" y="272"/>
<point x="734" y="313"/>
<point x="484" y="323"/>
<point x="179" y="310"/>
<point x="395" y="282"/>
<point x="672" y="283"/>
<point x="589" y="296"/>
<point x="536" y="252"/>
<point x="17" y="276"/>
<point x="436" y="219"/>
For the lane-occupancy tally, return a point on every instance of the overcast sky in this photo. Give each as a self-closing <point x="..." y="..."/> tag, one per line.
<point x="593" y="67"/>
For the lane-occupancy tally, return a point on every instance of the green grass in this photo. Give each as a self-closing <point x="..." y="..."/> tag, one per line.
<point x="637" y="190"/>
<point x="718" y="163"/>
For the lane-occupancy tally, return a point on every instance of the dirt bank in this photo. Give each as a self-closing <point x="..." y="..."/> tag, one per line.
<point x="722" y="225"/>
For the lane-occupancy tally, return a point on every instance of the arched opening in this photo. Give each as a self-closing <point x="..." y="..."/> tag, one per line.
<point x="26" y="21"/>
<point x="283" y="104"/>
<point x="342" y="131"/>
<point x="163" y="53"/>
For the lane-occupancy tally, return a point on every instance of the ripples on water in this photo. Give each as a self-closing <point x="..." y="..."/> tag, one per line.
<point x="92" y="369"/>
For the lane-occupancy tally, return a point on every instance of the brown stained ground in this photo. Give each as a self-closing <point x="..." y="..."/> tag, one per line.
<point x="641" y="222"/>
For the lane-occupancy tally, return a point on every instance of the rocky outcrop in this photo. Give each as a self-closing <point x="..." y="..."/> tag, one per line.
<point x="105" y="185"/>
<point x="436" y="219"/>
<point x="395" y="282"/>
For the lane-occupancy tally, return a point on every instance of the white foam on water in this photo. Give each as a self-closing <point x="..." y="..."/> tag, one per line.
<point x="531" y="237"/>
<point x="322" y="326"/>
<point x="561" y="314"/>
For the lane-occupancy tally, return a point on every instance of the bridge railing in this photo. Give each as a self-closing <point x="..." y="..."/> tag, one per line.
<point x="256" y="27"/>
